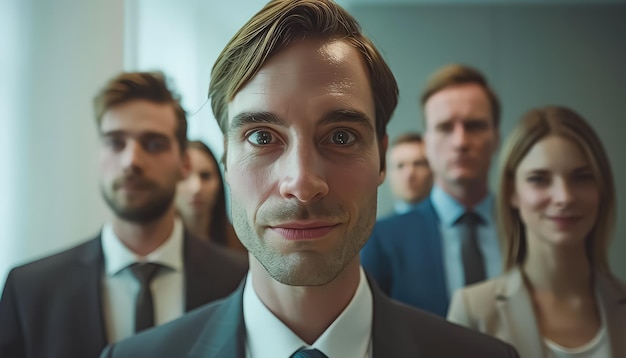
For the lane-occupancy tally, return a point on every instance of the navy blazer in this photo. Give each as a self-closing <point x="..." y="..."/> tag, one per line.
<point x="404" y="256"/>
<point x="52" y="308"/>
<point x="217" y="331"/>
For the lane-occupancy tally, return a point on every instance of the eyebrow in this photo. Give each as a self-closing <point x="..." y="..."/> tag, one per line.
<point x="118" y="132"/>
<point x="331" y="117"/>
<point x="245" y="118"/>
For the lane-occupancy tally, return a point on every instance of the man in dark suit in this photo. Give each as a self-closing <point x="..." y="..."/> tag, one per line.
<point x="303" y="99"/>
<point x="449" y="240"/>
<point x="74" y="303"/>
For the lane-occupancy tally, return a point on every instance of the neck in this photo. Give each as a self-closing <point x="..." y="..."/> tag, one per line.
<point x="198" y="225"/>
<point x="469" y="194"/>
<point x="307" y="310"/>
<point x="143" y="238"/>
<point x="561" y="271"/>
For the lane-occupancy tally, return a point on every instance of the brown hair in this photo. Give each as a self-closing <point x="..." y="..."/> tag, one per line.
<point x="534" y="126"/>
<point x="456" y="74"/>
<point x="220" y="229"/>
<point x="151" y="86"/>
<point x="277" y="25"/>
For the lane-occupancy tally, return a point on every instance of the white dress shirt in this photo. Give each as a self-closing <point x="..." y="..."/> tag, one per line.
<point x="120" y="287"/>
<point x="349" y="336"/>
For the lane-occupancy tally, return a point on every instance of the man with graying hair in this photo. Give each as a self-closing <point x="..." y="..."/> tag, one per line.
<point x="303" y="99"/>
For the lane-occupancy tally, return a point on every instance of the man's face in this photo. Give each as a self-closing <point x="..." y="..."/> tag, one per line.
<point x="140" y="160"/>
<point x="303" y="162"/>
<point x="460" y="135"/>
<point x="409" y="173"/>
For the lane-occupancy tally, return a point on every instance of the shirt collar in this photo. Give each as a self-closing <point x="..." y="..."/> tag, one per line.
<point x="118" y="257"/>
<point x="348" y="336"/>
<point x="449" y="210"/>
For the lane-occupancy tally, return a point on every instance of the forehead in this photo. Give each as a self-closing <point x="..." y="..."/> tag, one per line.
<point x="140" y="116"/>
<point x="554" y="153"/>
<point x="465" y="101"/>
<point x="307" y="78"/>
<point x="407" y="150"/>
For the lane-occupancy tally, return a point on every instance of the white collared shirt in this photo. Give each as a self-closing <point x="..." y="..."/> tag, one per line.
<point x="349" y="336"/>
<point x="120" y="287"/>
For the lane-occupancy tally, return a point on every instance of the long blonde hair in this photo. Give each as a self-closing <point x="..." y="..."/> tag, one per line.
<point x="534" y="126"/>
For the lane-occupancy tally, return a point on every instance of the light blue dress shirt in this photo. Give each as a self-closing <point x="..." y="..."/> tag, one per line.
<point x="449" y="211"/>
<point x="402" y="207"/>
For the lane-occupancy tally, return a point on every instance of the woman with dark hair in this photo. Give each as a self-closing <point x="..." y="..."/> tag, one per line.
<point x="556" y="214"/>
<point x="201" y="199"/>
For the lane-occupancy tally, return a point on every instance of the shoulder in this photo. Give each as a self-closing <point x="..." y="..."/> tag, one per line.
<point x="173" y="339"/>
<point x="56" y="264"/>
<point x="433" y="335"/>
<point x="211" y="254"/>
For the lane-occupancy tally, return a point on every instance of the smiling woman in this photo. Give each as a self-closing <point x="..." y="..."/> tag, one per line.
<point x="556" y="209"/>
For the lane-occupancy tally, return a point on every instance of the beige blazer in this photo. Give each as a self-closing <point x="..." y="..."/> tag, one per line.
<point x="501" y="307"/>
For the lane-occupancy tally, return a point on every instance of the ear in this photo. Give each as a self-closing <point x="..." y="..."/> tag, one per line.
<point x="383" y="159"/>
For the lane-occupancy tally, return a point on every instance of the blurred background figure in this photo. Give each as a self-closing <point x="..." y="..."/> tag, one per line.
<point x="409" y="174"/>
<point x="201" y="199"/>
<point x="556" y="214"/>
<point x="448" y="240"/>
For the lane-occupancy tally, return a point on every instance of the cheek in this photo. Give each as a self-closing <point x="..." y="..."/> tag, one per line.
<point x="531" y="200"/>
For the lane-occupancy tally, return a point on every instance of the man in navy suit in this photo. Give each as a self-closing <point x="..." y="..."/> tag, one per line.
<point x="73" y="303"/>
<point x="303" y="99"/>
<point x="449" y="240"/>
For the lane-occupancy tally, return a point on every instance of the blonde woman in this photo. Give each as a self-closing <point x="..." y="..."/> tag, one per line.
<point x="556" y="207"/>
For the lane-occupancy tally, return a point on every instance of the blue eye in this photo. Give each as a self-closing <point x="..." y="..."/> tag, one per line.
<point x="343" y="137"/>
<point x="261" y="137"/>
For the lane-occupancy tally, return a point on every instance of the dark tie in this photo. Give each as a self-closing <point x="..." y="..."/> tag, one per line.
<point x="144" y="307"/>
<point x="473" y="263"/>
<point x="309" y="353"/>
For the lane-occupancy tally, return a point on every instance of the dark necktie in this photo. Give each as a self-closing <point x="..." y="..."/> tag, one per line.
<point x="473" y="263"/>
<point x="144" y="307"/>
<point x="309" y="353"/>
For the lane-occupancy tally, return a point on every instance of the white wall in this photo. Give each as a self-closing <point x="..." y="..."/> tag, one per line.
<point x="59" y="53"/>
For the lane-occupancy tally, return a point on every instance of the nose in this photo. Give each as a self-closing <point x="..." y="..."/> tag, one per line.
<point x="303" y="175"/>
<point x="459" y="136"/>
<point x="132" y="157"/>
<point x="194" y="183"/>
<point x="562" y="192"/>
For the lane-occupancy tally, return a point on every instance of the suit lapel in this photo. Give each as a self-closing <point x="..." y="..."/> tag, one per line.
<point x="224" y="332"/>
<point x="613" y="300"/>
<point x="517" y="315"/>
<point x="384" y="326"/>
<point x="86" y="283"/>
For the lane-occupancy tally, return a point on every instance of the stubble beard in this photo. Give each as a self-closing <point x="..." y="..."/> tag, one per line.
<point x="303" y="267"/>
<point x="151" y="210"/>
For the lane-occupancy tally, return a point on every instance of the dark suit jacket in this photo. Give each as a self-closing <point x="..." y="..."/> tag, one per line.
<point x="52" y="308"/>
<point x="404" y="256"/>
<point x="217" y="331"/>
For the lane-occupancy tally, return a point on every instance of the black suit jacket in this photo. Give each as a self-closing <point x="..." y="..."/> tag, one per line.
<point x="52" y="308"/>
<point x="217" y="331"/>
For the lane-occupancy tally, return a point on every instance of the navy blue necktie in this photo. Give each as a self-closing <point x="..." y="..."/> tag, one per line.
<point x="309" y="353"/>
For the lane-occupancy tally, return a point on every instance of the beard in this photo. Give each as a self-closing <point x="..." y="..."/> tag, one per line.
<point x="299" y="264"/>
<point x="154" y="207"/>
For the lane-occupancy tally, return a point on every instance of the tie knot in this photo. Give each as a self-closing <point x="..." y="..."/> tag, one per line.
<point x="144" y="272"/>
<point x="470" y="219"/>
<point x="309" y="353"/>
